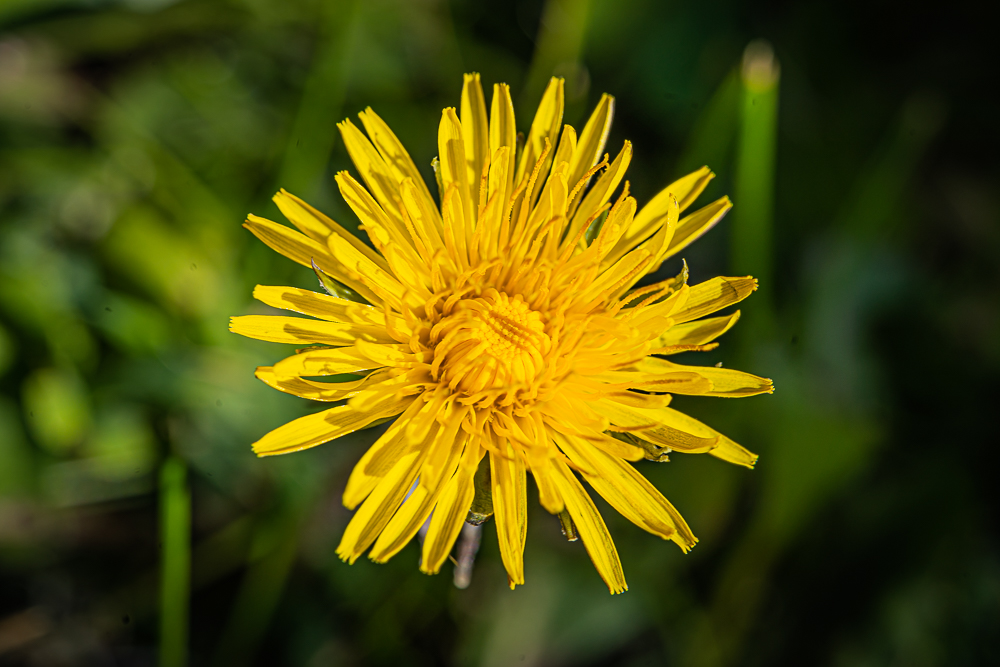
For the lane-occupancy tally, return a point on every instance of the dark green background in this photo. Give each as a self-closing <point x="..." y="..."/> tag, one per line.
<point x="136" y="135"/>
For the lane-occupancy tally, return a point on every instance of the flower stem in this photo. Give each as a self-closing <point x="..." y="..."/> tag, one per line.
<point x="175" y="575"/>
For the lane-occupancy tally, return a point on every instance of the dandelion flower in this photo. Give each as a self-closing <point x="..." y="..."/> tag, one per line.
<point x="501" y="332"/>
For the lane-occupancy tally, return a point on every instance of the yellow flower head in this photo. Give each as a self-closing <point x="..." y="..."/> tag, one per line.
<point x="504" y="324"/>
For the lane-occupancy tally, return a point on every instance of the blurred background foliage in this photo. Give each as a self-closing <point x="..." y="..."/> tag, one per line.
<point x="135" y="135"/>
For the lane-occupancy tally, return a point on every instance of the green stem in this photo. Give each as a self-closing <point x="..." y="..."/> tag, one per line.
<point x="175" y="536"/>
<point x="752" y="246"/>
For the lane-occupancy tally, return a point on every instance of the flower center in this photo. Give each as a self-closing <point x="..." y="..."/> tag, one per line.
<point x="492" y="342"/>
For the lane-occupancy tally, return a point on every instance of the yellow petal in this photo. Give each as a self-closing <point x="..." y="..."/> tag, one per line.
<point x="503" y="132"/>
<point x="475" y="132"/>
<point x="712" y="295"/>
<point x="544" y="127"/>
<point x="395" y="156"/>
<point x="548" y="493"/>
<point x="657" y="426"/>
<point x="381" y="181"/>
<point x="671" y="424"/>
<point x="450" y="512"/>
<point x="566" y="149"/>
<point x="325" y="362"/>
<point x="510" y="507"/>
<point x="691" y="227"/>
<point x="302" y="249"/>
<point x="379" y="459"/>
<point x="454" y="169"/>
<point x="674" y="382"/>
<point x="496" y="208"/>
<point x="724" y="381"/>
<point x="378" y="508"/>
<point x="323" y="306"/>
<point x="319" y="226"/>
<point x="395" y="354"/>
<point x="322" y="427"/>
<point x="414" y="512"/>
<point x="590" y="145"/>
<point x="426" y="218"/>
<point x="605" y="186"/>
<point x="629" y="492"/>
<point x="667" y="216"/>
<point x="624" y="273"/>
<point x="316" y="391"/>
<point x="388" y="234"/>
<point x="590" y="525"/>
<point x="698" y="332"/>
<point x="376" y="281"/>
<point x="637" y="400"/>
<point x="684" y="190"/>
<point x="299" y="330"/>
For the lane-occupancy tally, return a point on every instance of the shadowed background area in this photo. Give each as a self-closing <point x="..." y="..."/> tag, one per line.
<point x="136" y="526"/>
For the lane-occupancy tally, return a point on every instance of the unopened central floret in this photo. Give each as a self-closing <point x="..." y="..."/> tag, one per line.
<point x="490" y="342"/>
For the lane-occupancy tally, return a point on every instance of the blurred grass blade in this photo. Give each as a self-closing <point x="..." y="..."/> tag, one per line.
<point x="712" y="137"/>
<point x="175" y="536"/>
<point x="752" y="245"/>
<point x="272" y="556"/>
<point x="561" y="35"/>
<point x="314" y="131"/>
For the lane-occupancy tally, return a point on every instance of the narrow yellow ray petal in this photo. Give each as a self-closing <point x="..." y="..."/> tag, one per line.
<point x="591" y="527"/>
<point x="475" y="132"/>
<point x="318" y="305"/>
<point x="629" y="492"/>
<point x="698" y="332"/>
<point x="316" y="391"/>
<point x="673" y="425"/>
<point x="624" y="273"/>
<point x="319" y="226"/>
<point x="643" y="400"/>
<point x="302" y="249"/>
<point x="712" y="295"/>
<point x="545" y="125"/>
<point x="685" y="190"/>
<point x="503" y="132"/>
<point x="548" y="493"/>
<point x="426" y="218"/>
<point x="299" y="330"/>
<point x="496" y="208"/>
<point x="510" y="506"/>
<point x="605" y="186"/>
<point x="385" y="354"/>
<point x="378" y="508"/>
<point x="395" y="156"/>
<point x="619" y="216"/>
<point x="668" y="216"/>
<point x="450" y="512"/>
<point x="675" y="383"/>
<point x="414" y="512"/>
<point x="590" y="145"/>
<point x="656" y="426"/>
<point x="388" y="234"/>
<point x="724" y="381"/>
<point x="616" y="448"/>
<point x="381" y="181"/>
<point x="376" y="281"/>
<point x="325" y="362"/>
<point x="454" y="169"/>
<point x="566" y="149"/>
<point x="322" y="427"/>
<point x="379" y="459"/>
<point x="691" y="227"/>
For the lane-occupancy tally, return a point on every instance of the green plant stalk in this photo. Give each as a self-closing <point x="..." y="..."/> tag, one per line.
<point x="175" y="574"/>
<point x="753" y="221"/>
